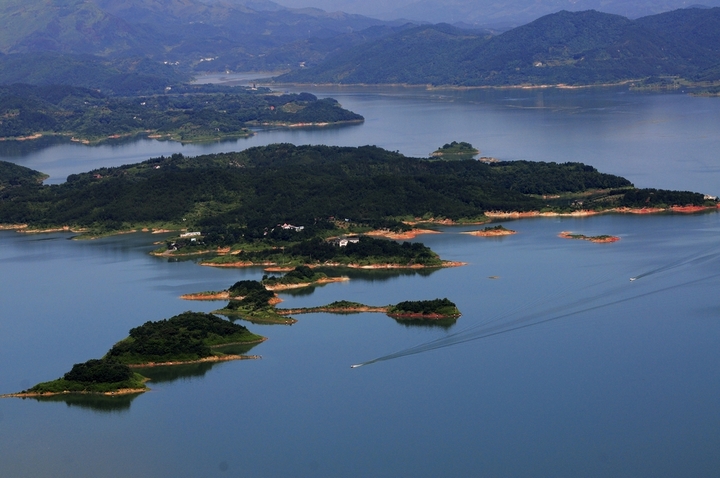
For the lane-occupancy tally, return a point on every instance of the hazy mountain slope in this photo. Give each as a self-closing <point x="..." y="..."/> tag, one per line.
<point x="120" y="77"/>
<point x="522" y="11"/>
<point x="184" y="31"/>
<point x="567" y="47"/>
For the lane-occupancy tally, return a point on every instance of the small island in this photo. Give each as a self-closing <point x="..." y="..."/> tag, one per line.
<point x="436" y="309"/>
<point x="492" y="231"/>
<point x="598" y="239"/>
<point x="190" y="337"/>
<point x="456" y="150"/>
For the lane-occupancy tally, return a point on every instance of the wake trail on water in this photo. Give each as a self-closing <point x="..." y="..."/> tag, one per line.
<point x="527" y="315"/>
<point x="698" y="258"/>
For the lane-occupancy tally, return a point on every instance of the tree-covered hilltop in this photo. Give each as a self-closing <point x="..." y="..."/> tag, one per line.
<point x="462" y="150"/>
<point x="186" y="113"/>
<point x="437" y="308"/>
<point x="572" y="48"/>
<point x="13" y="175"/>
<point x="185" y="337"/>
<point x="93" y="376"/>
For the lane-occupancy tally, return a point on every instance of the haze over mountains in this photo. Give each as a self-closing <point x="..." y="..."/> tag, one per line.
<point x="492" y="12"/>
<point x="122" y="46"/>
<point x="586" y="47"/>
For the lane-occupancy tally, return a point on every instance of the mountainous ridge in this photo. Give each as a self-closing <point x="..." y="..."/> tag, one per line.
<point x="575" y="48"/>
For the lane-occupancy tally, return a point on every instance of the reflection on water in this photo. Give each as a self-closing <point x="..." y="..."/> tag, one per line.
<point x="95" y="403"/>
<point x="190" y="371"/>
<point x="445" y="324"/>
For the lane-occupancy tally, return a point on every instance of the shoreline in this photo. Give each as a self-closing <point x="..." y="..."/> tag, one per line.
<point x="212" y="358"/>
<point x="326" y="280"/>
<point x="431" y="87"/>
<point x="411" y="234"/>
<point x="122" y="391"/>
<point x="364" y="309"/>
<point x="491" y="233"/>
<point x="273" y="267"/>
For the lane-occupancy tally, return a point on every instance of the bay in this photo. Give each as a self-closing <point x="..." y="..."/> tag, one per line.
<point x="605" y="377"/>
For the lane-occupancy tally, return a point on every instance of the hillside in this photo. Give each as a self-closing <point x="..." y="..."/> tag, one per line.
<point x="185" y="33"/>
<point x="567" y="47"/>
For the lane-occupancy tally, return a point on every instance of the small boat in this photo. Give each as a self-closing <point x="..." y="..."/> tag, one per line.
<point x="632" y="279"/>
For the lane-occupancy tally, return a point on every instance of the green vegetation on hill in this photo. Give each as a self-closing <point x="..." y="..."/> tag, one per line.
<point x="13" y="175"/>
<point x="242" y="198"/>
<point x="437" y="307"/>
<point x="454" y="150"/>
<point x="185" y="337"/>
<point x="185" y="114"/>
<point x="367" y="251"/>
<point x="562" y="48"/>
<point x="93" y="376"/>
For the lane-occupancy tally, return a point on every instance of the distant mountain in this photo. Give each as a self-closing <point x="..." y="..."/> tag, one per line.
<point x="567" y="47"/>
<point x="239" y="33"/>
<point x="115" y="77"/>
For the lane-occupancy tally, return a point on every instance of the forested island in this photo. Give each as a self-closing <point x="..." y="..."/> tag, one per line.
<point x="456" y="150"/>
<point x="187" y="113"/>
<point x="283" y="204"/>
<point x="185" y="338"/>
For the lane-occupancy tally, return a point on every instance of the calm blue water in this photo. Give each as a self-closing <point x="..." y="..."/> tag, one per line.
<point x="607" y="377"/>
<point x="655" y="140"/>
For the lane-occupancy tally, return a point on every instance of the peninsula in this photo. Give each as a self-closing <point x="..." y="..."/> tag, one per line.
<point x="190" y="337"/>
<point x="187" y="113"/>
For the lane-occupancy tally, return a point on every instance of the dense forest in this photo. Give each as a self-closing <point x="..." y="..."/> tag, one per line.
<point x="184" y="337"/>
<point x="188" y="113"/>
<point x="441" y="307"/>
<point x="317" y="251"/>
<point x="245" y="197"/>
<point x="562" y="48"/>
<point x="94" y="376"/>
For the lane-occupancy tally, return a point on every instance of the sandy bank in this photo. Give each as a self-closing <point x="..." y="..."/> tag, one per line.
<point x="327" y="280"/>
<point x="122" y="391"/>
<point x="222" y="295"/>
<point x="401" y="235"/>
<point x="491" y="233"/>
<point x="213" y="358"/>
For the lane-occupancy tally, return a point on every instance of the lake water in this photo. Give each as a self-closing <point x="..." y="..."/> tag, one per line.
<point x="588" y="374"/>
